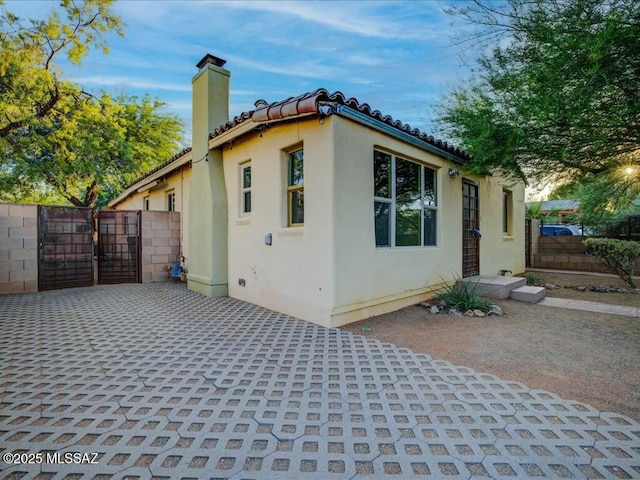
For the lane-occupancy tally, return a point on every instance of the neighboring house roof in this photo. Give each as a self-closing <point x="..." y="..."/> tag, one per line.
<point x="318" y="102"/>
<point x="152" y="177"/>
<point x="559" y="205"/>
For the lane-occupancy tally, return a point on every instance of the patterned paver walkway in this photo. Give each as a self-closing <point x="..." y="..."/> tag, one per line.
<point x="153" y="381"/>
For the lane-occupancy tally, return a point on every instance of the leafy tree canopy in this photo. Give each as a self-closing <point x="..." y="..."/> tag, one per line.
<point x="58" y="142"/>
<point x="555" y="96"/>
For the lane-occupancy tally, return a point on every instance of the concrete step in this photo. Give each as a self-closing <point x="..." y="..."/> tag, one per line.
<point x="528" y="294"/>
<point x="495" y="286"/>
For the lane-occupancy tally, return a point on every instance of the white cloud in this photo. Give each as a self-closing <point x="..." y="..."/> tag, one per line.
<point x="358" y="18"/>
<point x="129" y="82"/>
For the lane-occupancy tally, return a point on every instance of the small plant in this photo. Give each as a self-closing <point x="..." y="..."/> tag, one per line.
<point x="619" y="255"/>
<point x="464" y="296"/>
<point x="534" y="279"/>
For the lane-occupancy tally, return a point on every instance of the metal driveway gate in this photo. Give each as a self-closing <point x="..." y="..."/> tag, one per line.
<point x="65" y="253"/>
<point x="119" y="246"/>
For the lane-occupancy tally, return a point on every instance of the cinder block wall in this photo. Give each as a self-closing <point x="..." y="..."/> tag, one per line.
<point x="160" y="244"/>
<point x="18" y="248"/>
<point x="568" y="253"/>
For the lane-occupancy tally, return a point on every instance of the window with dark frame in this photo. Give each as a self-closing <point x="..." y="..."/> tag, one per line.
<point x="171" y="201"/>
<point x="295" y="188"/>
<point x="405" y="202"/>
<point x="506" y="212"/>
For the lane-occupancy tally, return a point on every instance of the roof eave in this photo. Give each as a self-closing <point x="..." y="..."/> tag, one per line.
<point x="368" y="121"/>
<point x="139" y="186"/>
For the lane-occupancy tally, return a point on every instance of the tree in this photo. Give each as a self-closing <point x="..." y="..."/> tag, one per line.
<point x="555" y="96"/>
<point x="93" y="150"/>
<point x="30" y="83"/>
<point x="58" y="141"/>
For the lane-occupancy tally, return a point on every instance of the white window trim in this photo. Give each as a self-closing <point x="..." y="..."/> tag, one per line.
<point x="292" y="188"/>
<point x="243" y="190"/>
<point x="392" y="202"/>
<point x="173" y="203"/>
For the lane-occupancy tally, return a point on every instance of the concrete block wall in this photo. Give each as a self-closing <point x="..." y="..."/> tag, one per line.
<point x="18" y="248"/>
<point x="568" y="253"/>
<point x="567" y="245"/>
<point x="160" y="244"/>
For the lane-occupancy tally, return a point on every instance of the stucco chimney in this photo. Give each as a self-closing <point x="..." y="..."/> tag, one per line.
<point x="207" y="262"/>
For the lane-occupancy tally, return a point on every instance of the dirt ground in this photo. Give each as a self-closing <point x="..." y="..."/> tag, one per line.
<point x="589" y="357"/>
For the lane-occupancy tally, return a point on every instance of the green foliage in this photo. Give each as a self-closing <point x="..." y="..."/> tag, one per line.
<point x="534" y="210"/>
<point x="96" y="148"/>
<point x="534" y="279"/>
<point x="619" y="255"/>
<point x="30" y="83"/>
<point x="464" y="296"/>
<point x="554" y="96"/>
<point x="57" y="141"/>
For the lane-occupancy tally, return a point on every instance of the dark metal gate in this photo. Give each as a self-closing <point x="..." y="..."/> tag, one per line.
<point x="470" y="229"/>
<point x="119" y="247"/>
<point x="65" y="240"/>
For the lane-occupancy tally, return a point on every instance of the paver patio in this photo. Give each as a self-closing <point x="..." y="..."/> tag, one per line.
<point x="160" y="382"/>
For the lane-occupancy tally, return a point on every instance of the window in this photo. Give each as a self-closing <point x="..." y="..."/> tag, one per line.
<point x="145" y="203"/>
<point x="171" y="201"/>
<point x="295" y="188"/>
<point x="405" y="202"/>
<point x="245" y="189"/>
<point x="506" y="212"/>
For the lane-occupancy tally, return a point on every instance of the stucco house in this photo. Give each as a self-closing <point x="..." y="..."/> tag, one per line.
<point x="319" y="207"/>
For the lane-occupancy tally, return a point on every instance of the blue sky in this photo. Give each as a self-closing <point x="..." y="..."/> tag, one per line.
<point x="394" y="55"/>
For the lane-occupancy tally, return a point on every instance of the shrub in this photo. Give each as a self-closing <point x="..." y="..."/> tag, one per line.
<point x="534" y="279"/>
<point x="619" y="255"/>
<point x="464" y="296"/>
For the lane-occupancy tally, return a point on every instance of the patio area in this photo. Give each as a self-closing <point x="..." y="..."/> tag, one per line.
<point x="154" y="381"/>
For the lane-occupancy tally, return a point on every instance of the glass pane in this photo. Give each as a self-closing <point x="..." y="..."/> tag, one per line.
<point x="296" y="174"/>
<point x="382" y="224"/>
<point x="430" y="187"/>
<point x="246" y="204"/>
<point x="505" y="212"/>
<point x="381" y="174"/>
<point x="296" y="206"/>
<point x="246" y="177"/>
<point x="407" y="225"/>
<point x="430" y="231"/>
<point x="408" y="183"/>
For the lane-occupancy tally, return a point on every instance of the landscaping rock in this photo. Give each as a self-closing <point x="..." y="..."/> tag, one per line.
<point x="468" y="313"/>
<point x="550" y="286"/>
<point x="455" y="312"/>
<point x="478" y="313"/>
<point x="434" y="310"/>
<point x="495" y="311"/>
<point x="425" y="305"/>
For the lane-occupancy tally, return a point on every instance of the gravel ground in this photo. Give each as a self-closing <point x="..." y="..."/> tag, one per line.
<point x="585" y="356"/>
<point x="564" y="280"/>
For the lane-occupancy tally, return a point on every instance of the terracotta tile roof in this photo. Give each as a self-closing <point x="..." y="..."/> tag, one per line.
<point x="305" y="105"/>
<point x="310" y="103"/>
<point x="177" y="156"/>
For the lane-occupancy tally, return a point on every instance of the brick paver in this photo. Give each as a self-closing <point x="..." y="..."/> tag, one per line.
<point x="154" y="381"/>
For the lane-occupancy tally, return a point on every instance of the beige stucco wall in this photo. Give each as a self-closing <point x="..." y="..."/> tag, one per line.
<point x="371" y="280"/>
<point x="18" y="248"/>
<point x="179" y="181"/>
<point x="294" y="275"/>
<point x="330" y="271"/>
<point x="498" y="251"/>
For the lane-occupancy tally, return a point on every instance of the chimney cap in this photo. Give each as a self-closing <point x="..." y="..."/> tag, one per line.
<point x="208" y="58"/>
